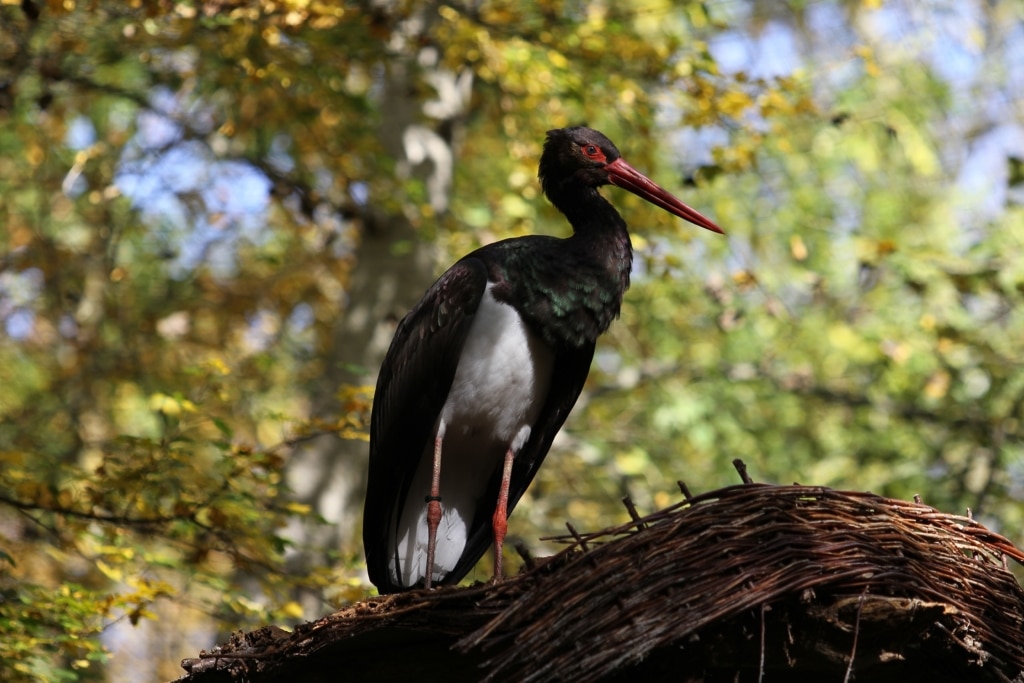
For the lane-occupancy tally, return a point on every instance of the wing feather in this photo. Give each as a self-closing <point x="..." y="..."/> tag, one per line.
<point x="412" y="386"/>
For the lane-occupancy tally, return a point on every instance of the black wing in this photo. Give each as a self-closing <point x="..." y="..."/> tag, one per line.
<point x="570" y="373"/>
<point x="413" y="384"/>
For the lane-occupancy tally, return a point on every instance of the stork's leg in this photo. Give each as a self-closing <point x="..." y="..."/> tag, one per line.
<point x="500" y="520"/>
<point x="434" y="507"/>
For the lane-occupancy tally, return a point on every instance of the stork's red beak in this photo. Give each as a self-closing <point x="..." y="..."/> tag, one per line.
<point x="625" y="176"/>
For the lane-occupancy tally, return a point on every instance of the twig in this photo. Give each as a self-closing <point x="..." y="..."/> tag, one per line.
<point x="760" y="670"/>
<point x="633" y="514"/>
<point x="684" y="489"/>
<point x="576" y="535"/>
<point x="741" y="467"/>
<point x="856" y="632"/>
<point x="525" y="554"/>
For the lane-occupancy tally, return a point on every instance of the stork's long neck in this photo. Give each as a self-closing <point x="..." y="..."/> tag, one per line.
<point x="600" y="235"/>
<point x="571" y="290"/>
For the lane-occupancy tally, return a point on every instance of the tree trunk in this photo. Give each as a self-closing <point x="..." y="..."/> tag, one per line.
<point x="327" y="474"/>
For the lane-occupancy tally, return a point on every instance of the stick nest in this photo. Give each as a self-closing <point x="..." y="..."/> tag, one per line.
<point x="753" y="577"/>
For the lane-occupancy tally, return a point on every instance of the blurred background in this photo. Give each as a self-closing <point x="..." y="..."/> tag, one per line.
<point x="214" y="214"/>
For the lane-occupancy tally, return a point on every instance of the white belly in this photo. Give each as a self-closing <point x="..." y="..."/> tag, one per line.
<point x="499" y="388"/>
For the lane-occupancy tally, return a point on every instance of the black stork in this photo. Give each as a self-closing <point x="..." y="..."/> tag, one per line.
<point x="483" y="371"/>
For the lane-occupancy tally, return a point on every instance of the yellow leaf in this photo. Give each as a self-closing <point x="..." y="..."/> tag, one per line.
<point x="938" y="385"/>
<point x="219" y="366"/>
<point x="633" y="462"/>
<point x="293" y="610"/>
<point x="557" y="59"/>
<point x="734" y="103"/>
<point x="353" y="434"/>
<point x="870" y="64"/>
<point x="772" y="102"/>
<point x="112" y="573"/>
<point x="744" y="278"/>
<point x="797" y="248"/>
<point x="34" y="155"/>
<point x="162" y="403"/>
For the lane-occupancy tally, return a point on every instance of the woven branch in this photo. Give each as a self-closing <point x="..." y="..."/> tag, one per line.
<point x="732" y="550"/>
<point x="876" y="569"/>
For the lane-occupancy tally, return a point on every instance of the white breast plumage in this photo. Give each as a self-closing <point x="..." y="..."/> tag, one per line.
<point x="500" y="385"/>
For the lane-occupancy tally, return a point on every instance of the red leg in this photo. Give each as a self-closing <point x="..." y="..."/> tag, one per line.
<point x="434" y="507"/>
<point x="500" y="520"/>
